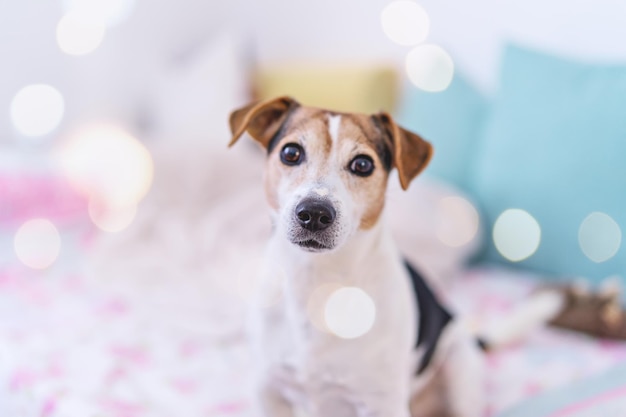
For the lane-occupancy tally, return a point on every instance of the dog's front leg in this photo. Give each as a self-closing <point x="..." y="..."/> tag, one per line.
<point x="464" y="373"/>
<point x="465" y="383"/>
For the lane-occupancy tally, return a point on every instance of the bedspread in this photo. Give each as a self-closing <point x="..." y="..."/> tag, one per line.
<point x="72" y="347"/>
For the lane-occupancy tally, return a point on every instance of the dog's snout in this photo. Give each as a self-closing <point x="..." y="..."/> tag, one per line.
<point x="315" y="215"/>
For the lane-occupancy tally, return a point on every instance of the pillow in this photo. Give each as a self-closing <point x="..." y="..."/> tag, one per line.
<point x="366" y="89"/>
<point x="193" y="99"/>
<point x="451" y="120"/>
<point x="554" y="151"/>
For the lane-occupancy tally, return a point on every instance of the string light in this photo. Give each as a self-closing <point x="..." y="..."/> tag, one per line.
<point x="459" y="221"/>
<point x="405" y="22"/>
<point x="599" y="237"/>
<point x="349" y="312"/>
<point x="107" y="163"/>
<point x="516" y="234"/>
<point x="109" y="12"/>
<point x="79" y="33"/>
<point x="37" y="243"/>
<point x="37" y="110"/>
<point x="430" y="68"/>
<point x="111" y="219"/>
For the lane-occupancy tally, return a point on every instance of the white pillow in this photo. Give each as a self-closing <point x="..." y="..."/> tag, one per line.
<point x="193" y="99"/>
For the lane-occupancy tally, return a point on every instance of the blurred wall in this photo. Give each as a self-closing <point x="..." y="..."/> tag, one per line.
<point x="321" y="30"/>
<point x="473" y="31"/>
<point x="112" y="80"/>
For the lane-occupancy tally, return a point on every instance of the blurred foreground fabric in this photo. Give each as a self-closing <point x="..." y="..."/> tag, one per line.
<point x="79" y="348"/>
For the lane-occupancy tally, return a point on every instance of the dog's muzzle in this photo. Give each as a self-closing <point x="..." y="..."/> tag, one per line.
<point x="315" y="215"/>
<point x="314" y="225"/>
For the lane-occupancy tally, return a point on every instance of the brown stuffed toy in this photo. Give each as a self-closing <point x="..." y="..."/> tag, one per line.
<point x="599" y="314"/>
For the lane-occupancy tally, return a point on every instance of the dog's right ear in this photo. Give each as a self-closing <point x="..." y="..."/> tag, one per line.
<point x="262" y="120"/>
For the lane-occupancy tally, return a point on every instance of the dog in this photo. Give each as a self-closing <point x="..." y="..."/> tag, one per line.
<point x="325" y="183"/>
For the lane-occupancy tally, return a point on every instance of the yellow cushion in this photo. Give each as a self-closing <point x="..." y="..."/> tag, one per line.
<point x="349" y="89"/>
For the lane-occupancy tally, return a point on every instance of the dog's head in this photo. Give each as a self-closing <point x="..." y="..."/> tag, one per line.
<point x="327" y="172"/>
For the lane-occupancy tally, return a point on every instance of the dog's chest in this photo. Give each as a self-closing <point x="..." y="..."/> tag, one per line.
<point x="283" y="348"/>
<point x="299" y="357"/>
<point x="302" y="362"/>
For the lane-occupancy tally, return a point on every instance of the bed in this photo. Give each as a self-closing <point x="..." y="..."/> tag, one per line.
<point x="69" y="348"/>
<point x="73" y="345"/>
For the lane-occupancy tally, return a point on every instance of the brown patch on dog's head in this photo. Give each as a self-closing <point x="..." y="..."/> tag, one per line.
<point x="307" y="127"/>
<point x="393" y="147"/>
<point x="359" y="135"/>
<point x="411" y="153"/>
<point x="331" y="145"/>
<point x="262" y="120"/>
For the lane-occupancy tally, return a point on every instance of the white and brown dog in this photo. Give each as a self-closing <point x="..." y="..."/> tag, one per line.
<point x="326" y="182"/>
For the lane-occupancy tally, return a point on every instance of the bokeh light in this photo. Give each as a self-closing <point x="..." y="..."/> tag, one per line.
<point x="111" y="219"/>
<point x="255" y="281"/>
<point x="317" y="303"/>
<point x="430" y="68"/>
<point x="599" y="237"/>
<point x="516" y="234"/>
<point x="37" y="243"/>
<point x="109" y="12"/>
<point x="37" y="109"/>
<point x="405" y="22"/>
<point x="79" y="34"/>
<point x="459" y="221"/>
<point x="349" y="312"/>
<point x="106" y="163"/>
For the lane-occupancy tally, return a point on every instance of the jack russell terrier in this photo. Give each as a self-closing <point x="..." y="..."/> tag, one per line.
<point x="325" y="182"/>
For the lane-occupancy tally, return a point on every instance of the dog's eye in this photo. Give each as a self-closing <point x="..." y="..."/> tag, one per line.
<point x="291" y="154"/>
<point x="362" y="165"/>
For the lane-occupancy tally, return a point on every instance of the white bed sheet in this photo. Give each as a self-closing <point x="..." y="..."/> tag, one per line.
<point x="74" y="347"/>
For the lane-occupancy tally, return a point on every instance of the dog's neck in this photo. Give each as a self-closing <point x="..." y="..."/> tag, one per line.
<point x="349" y="265"/>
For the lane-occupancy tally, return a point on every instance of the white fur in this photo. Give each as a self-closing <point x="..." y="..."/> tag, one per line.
<point x="322" y="192"/>
<point x="304" y="367"/>
<point x="333" y="127"/>
<point x="368" y="376"/>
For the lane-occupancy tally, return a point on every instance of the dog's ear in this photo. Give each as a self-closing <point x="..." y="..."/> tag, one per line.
<point x="261" y="119"/>
<point x="410" y="153"/>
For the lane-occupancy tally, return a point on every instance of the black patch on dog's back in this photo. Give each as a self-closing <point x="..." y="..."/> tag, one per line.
<point x="433" y="317"/>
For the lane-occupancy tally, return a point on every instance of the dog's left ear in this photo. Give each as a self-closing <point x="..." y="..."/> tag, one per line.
<point x="262" y="119"/>
<point x="411" y="153"/>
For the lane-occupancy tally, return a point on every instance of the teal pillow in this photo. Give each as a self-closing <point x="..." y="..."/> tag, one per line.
<point x="555" y="147"/>
<point x="451" y="120"/>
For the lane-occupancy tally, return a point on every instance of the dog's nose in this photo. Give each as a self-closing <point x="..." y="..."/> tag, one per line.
<point x="315" y="215"/>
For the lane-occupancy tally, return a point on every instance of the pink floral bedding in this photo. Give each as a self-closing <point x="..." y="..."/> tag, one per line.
<point x="70" y="347"/>
<point x="549" y="358"/>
